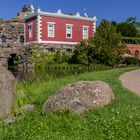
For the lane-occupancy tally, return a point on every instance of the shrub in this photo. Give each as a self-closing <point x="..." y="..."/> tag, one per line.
<point x="62" y="57"/>
<point x="131" y="60"/>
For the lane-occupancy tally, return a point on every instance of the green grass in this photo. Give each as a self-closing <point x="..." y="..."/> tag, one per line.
<point x="119" y="120"/>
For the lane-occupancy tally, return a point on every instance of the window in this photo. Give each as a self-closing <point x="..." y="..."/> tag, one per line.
<point x="69" y="31"/>
<point x="51" y="29"/>
<point x="21" y="39"/>
<point x="51" y="49"/>
<point x="3" y="39"/>
<point x="30" y="27"/>
<point x="85" y="32"/>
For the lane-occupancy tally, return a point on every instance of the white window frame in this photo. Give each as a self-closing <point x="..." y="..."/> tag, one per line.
<point x="30" y="28"/>
<point x="87" y="35"/>
<point x="53" y="29"/>
<point x="67" y="30"/>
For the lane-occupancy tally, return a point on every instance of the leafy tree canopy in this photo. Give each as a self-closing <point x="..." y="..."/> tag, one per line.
<point x="108" y="44"/>
<point x="83" y="53"/>
<point x="131" y="20"/>
<point x="105" y="47"/>
<point x="127" y="29"/>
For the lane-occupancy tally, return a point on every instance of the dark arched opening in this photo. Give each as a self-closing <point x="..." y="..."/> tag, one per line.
<point x="136" y="54"/>
<point x="51" y="50"/>
<point x="129" y="52"/>
<point x="3" y="39"/>
<point x="13" y="61"/>
<point x="69" y="50"/>
<point x="22" y="39"/>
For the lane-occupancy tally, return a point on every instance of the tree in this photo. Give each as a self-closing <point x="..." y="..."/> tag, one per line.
<point x="83" y="53"/>
<point x="131" y="20"/>
<point x="114" y="23"/>
<point x="109" y="49"/>
<point x="127" y="29"/>
<point x="58" y="57"/>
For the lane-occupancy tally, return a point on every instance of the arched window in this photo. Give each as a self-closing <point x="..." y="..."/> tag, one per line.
<point x="3" y="39"/>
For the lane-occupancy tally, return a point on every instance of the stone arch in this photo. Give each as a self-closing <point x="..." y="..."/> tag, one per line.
<point x="136" y="54"/>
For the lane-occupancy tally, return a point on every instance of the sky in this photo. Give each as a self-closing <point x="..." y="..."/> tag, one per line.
<point x="118" y="10"/>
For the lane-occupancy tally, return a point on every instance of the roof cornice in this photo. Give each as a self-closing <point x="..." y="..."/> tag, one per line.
<point x="30" y="16"/>
<point x="94" y="19"/>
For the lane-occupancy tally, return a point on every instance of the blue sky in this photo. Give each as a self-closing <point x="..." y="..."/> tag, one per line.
<point x="117" y="10"/>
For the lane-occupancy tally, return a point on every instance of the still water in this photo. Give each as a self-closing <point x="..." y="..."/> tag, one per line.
<point x="31" y="75"/>
<point x="50" y="73"/>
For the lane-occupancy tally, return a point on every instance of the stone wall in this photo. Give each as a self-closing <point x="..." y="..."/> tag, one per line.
<point x="22" y="52"/>
<point x="53" y="47"/>
<point x="12" y="31"/>
<point x="12" y="38"/>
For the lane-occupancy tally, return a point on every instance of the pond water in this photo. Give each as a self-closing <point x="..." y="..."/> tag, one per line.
<point x="31" y="75"/>
<point x="53" y="72"/>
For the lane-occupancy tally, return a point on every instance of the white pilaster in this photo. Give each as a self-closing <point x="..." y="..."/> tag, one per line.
<point x="24" y="33"/>
<point x="94" y="25"/>
<point x="38" y="28"/>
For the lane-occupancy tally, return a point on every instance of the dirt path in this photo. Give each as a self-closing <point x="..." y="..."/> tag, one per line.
<point x="131" y="81"/>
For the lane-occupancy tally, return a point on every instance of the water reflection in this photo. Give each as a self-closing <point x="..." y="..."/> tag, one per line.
<point x="22" y="75"/>
<point x="52" y="72"/>
<point x="31" y="75"/>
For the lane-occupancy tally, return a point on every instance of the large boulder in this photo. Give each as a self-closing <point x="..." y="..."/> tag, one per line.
<point x="80" y="97"/>
<point x="7" y="90"/>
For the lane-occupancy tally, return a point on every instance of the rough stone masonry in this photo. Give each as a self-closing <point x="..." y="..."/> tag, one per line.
<point x="12" y="38"/>
<point x="7" y="92"/>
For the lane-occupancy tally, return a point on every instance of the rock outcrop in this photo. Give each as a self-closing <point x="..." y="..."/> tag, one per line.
<point x="7" y="90"/>
<point x="12" y="37"/>
<point x="80" y="97"/>
<point x="12" y="31"/>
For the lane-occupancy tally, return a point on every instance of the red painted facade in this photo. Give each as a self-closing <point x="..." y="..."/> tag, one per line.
<point x="60" y="29"/>
<point x="41" y="20"/>
<point x="32" y="21"/>
<point x="134" y="48"/>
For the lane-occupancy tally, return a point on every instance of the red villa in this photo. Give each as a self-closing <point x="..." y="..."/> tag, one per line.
<point x="57" y="28"/>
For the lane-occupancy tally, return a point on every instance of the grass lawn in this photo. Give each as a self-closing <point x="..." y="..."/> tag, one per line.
<point x="119" y="120"/>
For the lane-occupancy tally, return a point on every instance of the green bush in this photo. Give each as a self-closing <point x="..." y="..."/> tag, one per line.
<point x="131" y="60"/>
<point x="41" y="58"/>
<point x="62" y="57"/>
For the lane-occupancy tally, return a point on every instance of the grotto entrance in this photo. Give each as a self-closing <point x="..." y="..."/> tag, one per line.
<point x="13" y="61"/>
